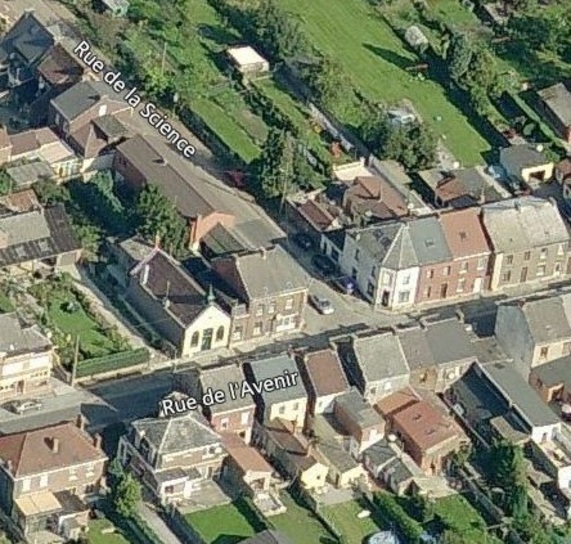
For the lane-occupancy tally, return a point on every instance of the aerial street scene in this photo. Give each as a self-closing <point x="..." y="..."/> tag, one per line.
<point x="285" y="271"/>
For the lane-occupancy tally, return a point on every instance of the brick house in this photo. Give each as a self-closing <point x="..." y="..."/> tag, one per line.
<point x="172" y="456"/>
<point x="47" y="475"/>
<point x="271" y="292"/>
<point x="234" y="416"/>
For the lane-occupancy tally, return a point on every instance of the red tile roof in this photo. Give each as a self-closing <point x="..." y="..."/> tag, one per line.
<point x="464" y="232"/>
<point x="325" y="372"/>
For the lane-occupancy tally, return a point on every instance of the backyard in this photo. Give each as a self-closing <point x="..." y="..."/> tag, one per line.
<point x="343" y="518"/>
<point x="102" y="531"/>
<point x="377" y="63"/>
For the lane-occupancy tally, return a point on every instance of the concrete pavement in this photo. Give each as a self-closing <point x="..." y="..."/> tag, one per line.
<point x="155" y="522"/>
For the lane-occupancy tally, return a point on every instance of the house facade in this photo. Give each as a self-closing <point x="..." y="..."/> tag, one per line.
<point x="48" y="474"/>
<point x="26" y="359"/>
<point x="172" y="456"/>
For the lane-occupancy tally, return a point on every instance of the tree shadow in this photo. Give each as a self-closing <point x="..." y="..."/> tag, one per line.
<point x="389" y="56"/>
<point x="218" y="34"/>
<point x="228" y="539"/>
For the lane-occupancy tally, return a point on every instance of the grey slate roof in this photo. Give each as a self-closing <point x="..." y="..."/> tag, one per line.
<point x="515" y="389"/>
<point x="517" y="157"/>
<point x="269" y="273"/>
<point x="275" y="366"/>
<point x="268" y="537"/>
<point x="523" y="223"/>
<point x="360" y="410"/>
<point x="219" y="378"/>
<point x="380" y="356"/>
<point x="555" y="372"/>
<point x="558" y="99"/>
<point x="28" y="37"/>
<point x="405" y="243"/>
<point x="436" y="343"/>
<point x="15" y="339"/>
<point x="83" y="96"/>
<point x="383" y="457"/>
<point x="177" y="434"/>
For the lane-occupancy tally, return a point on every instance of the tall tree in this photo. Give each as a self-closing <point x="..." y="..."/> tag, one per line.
<point x="158" y="217"/>
<point x="275" y="166"/>
<point x="127" y="496"/>
<point x="460" y="54"/>
<point x="327" y="82"/>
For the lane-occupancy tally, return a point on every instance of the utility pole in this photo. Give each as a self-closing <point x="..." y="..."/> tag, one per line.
<point x="75" y="361"/>
<point x="164" y="58"/>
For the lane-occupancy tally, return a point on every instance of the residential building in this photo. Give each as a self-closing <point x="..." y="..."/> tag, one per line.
<point x="428" y="434"/>
<point x="526" y="163"/>
<point x="394" y="403"/>
<point x="286" y="403"/>
<point x="529" y="241"/>
<point x="292" y="453"/>
<point x="461" y="188"/>
<point x="552" y="380"/>
<point x="375" y="364"/>
<point x="324" y="379"/>
<point x="33" y="237"/>
<point x="556" y="108"/>
<point x="48" y="474"/>
<point x="535" y="332"/>
<point x="270" y="290"/>
<point x="172" y="456"/>
<point x="26" y="359"/>
<point x="234" y="415"/>
<point x="437" y="353"/>
<point x="390" y="466"/>
<point x="466" y="273"/>
<point x="186" y="316"/>
<point x="359" y="421"/>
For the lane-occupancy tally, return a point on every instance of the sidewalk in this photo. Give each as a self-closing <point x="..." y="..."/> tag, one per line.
<point x="157" y="525"/>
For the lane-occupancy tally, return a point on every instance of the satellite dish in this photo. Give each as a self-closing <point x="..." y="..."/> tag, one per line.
<point x="539" y="148"/>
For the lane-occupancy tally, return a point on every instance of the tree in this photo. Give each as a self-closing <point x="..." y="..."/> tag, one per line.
<point x="327" y="82"/>
<point x="115" y="472"/>
<point x="460" y="54"/>
<point x="6" y="183"/>
<point x="275" y="165"/>
<point x="49" y="192"/>
<point x="126" y="496"/>
<point x="451" y="537"/>
<point x="158" y="217"/>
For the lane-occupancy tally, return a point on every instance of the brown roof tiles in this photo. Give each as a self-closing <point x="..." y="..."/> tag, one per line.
<point x="464" y="232"/>
<point x="325" y="372"/>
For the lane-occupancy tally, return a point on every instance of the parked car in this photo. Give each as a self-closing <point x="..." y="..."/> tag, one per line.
<point x="24" y="406"/>
<point x="302" y="240"/>
<point x="321" y="304"/>
<point x="345" y="284"/>
<point x="323" y="264"/>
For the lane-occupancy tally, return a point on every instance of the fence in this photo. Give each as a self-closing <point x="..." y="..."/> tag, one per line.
<point x="180" y="527"/>
<point x="113" y="362"/>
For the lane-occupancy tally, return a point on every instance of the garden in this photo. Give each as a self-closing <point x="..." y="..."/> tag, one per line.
<point x="344" y="519"/>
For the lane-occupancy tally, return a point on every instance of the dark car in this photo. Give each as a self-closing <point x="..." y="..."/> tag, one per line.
<point x="345" y="284"/>
<point x="302" y="240"/>
<point x="324" y="265"/>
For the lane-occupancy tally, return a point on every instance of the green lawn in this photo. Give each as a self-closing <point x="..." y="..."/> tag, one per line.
<point x="221" y="524"/>
<point x="300" y="524"/>
<point x="376" y="60"/>
<point x="344" y="518"/>
<point x="96" y="535"/>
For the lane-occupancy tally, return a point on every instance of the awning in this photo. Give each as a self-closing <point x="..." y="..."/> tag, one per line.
<point x="39" y="503"/>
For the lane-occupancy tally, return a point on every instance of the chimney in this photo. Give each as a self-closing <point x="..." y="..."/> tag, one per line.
<point x="166" y="301"/>
<point x="517" y="205"/>
<point x="80" y="422"/>
<point x="264" y="253"/>
<point x="9" y="466"/>
<point x="144" y="276"/>
<point x="55" y="445"/>
<point x="97" y="441"/>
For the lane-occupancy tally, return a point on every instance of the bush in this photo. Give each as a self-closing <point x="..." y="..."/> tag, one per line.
<point x="390" y="509"/>
<point x="111" y="362"/>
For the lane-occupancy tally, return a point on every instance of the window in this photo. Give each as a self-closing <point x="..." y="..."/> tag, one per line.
<point x="406" y="279"/>
<point x="289" y="304"/>
<point x="73" y="473"/>
<point x="296" y="406"/>
<point x="527" y="256"/>
<point x="509" y="260"/>
<point x="26" y="484"/>
<point x="224" y="423"/>
<point x="169" y="489"/>
<point x="357" y="254"/>
<point x="560" y="250"/>
<point x="543" y="352"/>
<point x="566" y="348"/>
<point x="370" y="289"/>
<point x="428" y="292"/>
<point x="541" y="270"/>
<point x="194" y="339"/>
<point x="258" y="328"/>
<point x="44" y="480"/>
<point x="272" y="307"/>
<point x="507" y="276"/>
<point x="245" y="418"/>
<point x="259" y="310"/>
<point x="461" y="285"/>
<point x="354" y="273"/>
<point x="374" y="271"/>
<point x="282" y="410"/>
<point x="220" y="334"/>
<point x="543" y="254"/>
<point x="373" y="390"/>
<point x="237" y="334"/>
<point x="464" y="268"/>
<point x="446" y="271"/>
<point x="430" y="274"/>
<point x="482" y="263"/>
<point x="404" y="296"/>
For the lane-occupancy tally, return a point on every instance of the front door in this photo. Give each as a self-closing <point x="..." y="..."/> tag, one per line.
<point x="477" y="285"/>
<point x="523" y="275"/>
<point x="385" y="298"/>
<point x="207" y="339"/>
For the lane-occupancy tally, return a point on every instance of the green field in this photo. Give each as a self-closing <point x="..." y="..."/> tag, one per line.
<point x="376" y="60"/>
<point x="344" y="518"/>
<point x="97" y="536"/>
<point x="221" y="524"/>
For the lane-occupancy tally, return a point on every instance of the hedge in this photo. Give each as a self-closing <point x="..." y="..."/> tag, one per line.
<point x="410" y="529"/>
<point x="115" y="361"/>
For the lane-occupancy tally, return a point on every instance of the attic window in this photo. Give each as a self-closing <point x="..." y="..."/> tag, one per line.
<point x="463" y="235"/>
<point x="417" y="417"/>
<point x="429" y="242"/>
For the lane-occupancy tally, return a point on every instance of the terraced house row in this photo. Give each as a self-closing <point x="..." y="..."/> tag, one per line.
<point x="457" y="253"/>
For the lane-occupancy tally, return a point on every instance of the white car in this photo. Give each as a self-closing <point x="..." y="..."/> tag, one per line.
<point x="321" y="304"/>
<point x="24" y="406"/>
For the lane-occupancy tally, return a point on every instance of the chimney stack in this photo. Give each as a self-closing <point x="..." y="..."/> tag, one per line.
<point x="97" y="441"/>
<point x="264" y="253"/>
<point x="144" y="277"/>
<point x="55" y="445"/>
<point x="80" y="422"/>
<point x="9" y="466"/>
